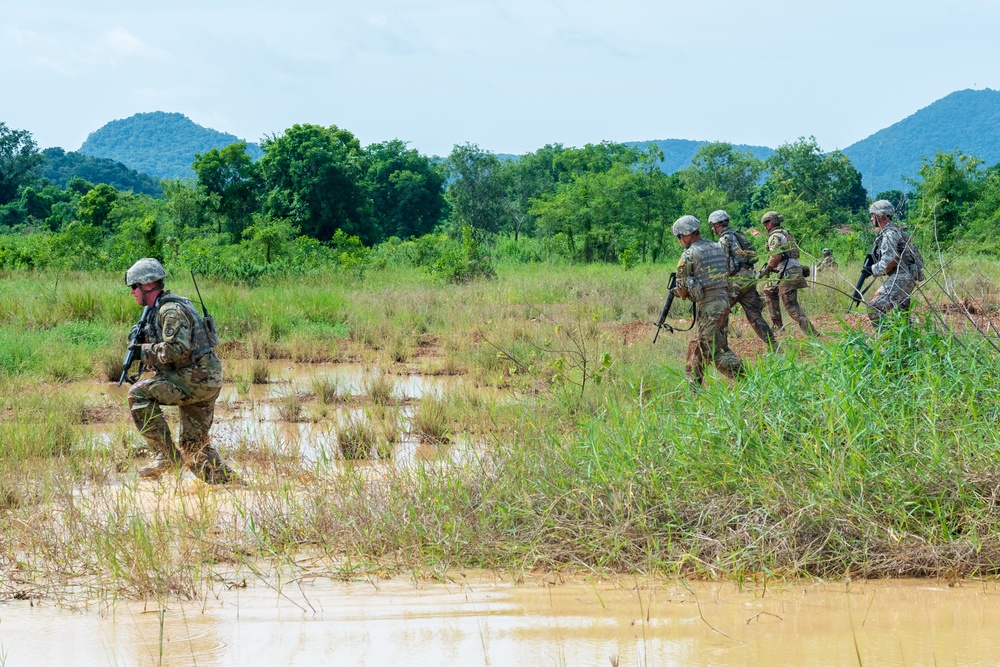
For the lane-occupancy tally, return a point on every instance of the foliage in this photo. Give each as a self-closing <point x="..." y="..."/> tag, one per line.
<point x="160" y="144"/>
<point x="20" y="161"/>
<point x="459" y="263"/>
<point x="60" y="167"/>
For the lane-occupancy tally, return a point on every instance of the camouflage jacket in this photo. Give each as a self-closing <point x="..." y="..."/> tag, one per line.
<point x="784" y="251"/>
<point x="177" y="343"/>
<point x="740" y="253"/>
<point x="894" y="250"/>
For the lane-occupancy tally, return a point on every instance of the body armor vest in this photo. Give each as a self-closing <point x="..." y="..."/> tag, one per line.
<point x="203" y="336"/>
<point x="710" y="266"/>
<point x="789" y="249"/>
<point x="742" y="254"/>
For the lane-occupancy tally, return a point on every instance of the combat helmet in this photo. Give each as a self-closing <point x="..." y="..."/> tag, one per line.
<point x="146" y="270"/>
<point x="773" y="217"/>
<point x="882" y="208"/>
<point x="718" y="217"/>
<point x="827" y="251"/>
<point x="686" y="224"/>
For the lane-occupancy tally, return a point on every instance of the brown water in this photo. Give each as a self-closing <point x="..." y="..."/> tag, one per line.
<point x="255" y="416"/>
<point x="319" y="622"/>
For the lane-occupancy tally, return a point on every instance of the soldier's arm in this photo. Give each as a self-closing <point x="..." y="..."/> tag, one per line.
<point x="888" y="257"/>
<point x="728" y="251"/>
<point x="683" y="271"/>
<point x="177" y="329"/>
<point x="774" y="246"/>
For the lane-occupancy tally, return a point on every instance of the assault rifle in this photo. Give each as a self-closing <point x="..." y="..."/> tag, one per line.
<point x="136" y="337"/>
<point x="662" y="322"/>
<point x="866" y="272"/>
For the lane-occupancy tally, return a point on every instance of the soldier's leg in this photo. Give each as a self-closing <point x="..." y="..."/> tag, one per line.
<point x="144" y="401"/>
<point x="715" y="334"/>
<point x="193" y="439"/>
<point x="790" y="298"/>
<point x="694" y="366"/>
<point x="894" y="294"/>
<point x="773" y="307"/>
<point x="753" y="307"/>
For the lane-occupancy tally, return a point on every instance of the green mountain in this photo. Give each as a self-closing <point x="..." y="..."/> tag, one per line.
<point x="158" y="143"/>
<point x="59" y="167"/>
<point x="967" y="120"/>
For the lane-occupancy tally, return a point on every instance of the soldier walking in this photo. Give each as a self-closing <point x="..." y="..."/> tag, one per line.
<point x="783" y="260"/>
<point x="178" y="345"/>
<point x="740" y="258"/>
<point x="897" y="258"/>
<point x="701" y="278"/>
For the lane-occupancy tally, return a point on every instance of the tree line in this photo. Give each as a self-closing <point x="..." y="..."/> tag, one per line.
<point x="317" y="197"/>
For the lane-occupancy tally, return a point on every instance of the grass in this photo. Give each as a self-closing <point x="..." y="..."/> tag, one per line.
<point x="860" y="454"/>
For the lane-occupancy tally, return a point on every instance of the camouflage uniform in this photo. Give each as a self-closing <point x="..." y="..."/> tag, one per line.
<point x="740" y="258"/>
<point x="897" y="258"/>
<point x="189" y="375"/>
<point x="785" y="260"/>
<point x="828" y="263"/>
<point x="701" y="277"/>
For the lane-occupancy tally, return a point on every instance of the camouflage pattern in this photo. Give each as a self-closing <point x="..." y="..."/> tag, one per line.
<point x="719" y="216"/>
<point x="828" y="263"/>
<point x="188" y="375"/>
<point x="773" y="217"/>
<point x="701" y="278"/>
<point x="785" y="260"/>
<point x="882" y="208"/>
<point x="901" y="269"/>
<point x="740" y="258"/>
<point x="146" y="270"/>
<point x="686" y="224"/>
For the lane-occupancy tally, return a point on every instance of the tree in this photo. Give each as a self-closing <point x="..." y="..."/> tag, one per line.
<point x="828" y="181"/>
<point x="95" y="206"/>
<point x="270" y="235"/>
<point x="20" y="162"/>
<point x="951" y="185"/>
<point x="405" y="188"/>
<point x="312" y="176"/>
<point x="476" y="193"/>
<point x="234" y="178"/>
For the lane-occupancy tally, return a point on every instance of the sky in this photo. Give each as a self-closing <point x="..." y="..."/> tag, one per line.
<point x="509" y="77"/>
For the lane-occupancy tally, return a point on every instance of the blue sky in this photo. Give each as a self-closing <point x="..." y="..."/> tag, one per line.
<point x="508" y="76"/>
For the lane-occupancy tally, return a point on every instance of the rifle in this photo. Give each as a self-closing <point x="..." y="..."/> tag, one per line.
<point x="662" y="322"/>
<point x="135" y="337"/>
<point x="866" y="271"/>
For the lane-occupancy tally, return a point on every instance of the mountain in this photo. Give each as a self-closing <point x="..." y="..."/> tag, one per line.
<point x="967" y="120"/>
<point x="158" y="143"/>
<point x="60" y="167"/>
<point x="678" y="153"/>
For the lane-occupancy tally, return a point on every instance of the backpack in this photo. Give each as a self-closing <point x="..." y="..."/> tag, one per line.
<point x="910" y="256"/>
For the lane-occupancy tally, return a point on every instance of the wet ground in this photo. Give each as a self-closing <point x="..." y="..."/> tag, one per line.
<point x="477" y="620"/>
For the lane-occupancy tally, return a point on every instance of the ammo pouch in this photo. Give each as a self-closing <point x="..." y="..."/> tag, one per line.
<point x="694" y="289"/>
<point x="805" y="271"/>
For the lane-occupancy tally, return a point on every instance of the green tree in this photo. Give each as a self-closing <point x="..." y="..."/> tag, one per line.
<point x="95" y="206"/>
<point x="951" y="185"/>
<point x="312" y="177"/>
<point x="270" y="236"/>
<point x="20" y="162"/>
<point x="406" y="190"/>
<point x="477" y="191"/>
<point x="231" y="175"/>
<point x="721" y="168"/>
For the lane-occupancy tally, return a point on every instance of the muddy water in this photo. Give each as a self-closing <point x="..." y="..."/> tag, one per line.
<point x="255" y="416"/>
<point x="320" y="622"/>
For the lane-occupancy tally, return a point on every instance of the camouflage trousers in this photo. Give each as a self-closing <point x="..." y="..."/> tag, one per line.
<point x="753" y="306"/>
<point x="711" y="342"/>
<point x="196" y="403"/>
<point x="894" y="294"/>
<point x="787" y="291"/>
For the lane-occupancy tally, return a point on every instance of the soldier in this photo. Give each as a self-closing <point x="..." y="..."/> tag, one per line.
<point x="701" y="277"/>
<point x="740" y="258"/>
<point x="178" y="346"/>
<point x="784" y="260"/>
<point x="896" y="258"/>
<point x="828" y="263"/>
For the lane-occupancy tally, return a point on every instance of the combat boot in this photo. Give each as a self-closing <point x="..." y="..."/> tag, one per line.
<point x="160" y="464"/>
<point x="212" y="469"/>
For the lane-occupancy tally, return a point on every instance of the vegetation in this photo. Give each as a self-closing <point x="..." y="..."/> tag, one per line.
<point x="158" y="143"/>
<point x="60" y="167"/>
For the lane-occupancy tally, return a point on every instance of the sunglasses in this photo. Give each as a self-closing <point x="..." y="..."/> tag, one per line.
<point x="134" y="287"/>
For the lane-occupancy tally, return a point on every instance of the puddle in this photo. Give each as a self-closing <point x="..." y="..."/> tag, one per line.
<point x="320" y="622"/>
<point x="256" y="417"/>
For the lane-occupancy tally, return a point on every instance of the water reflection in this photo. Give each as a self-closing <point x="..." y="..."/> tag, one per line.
<point x="319" y="622"/>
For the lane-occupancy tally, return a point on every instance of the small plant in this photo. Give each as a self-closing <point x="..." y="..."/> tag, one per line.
<point x="328" y="389"/>
<point x="357" y="438"/>
<point x="260" y="371"/>
<point x="290" y="407"/>
<point x="379" y="387"/>
<point x="430" y="422"/>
